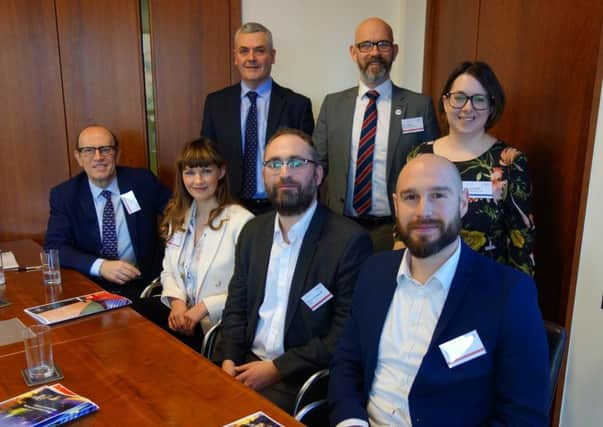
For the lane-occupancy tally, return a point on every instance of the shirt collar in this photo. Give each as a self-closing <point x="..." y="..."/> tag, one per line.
<point x="443" y="275"/>
<point x="262" y="90"/>
<point x="384" y="89"/>
<point x="299" y="228"/>
<point x="96" y="190"/>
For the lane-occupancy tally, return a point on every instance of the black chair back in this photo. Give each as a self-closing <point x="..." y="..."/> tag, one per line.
<point x="315" y="414"/>
<point x="557" y="339"/>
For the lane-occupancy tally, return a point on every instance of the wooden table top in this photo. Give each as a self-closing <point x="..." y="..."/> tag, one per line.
<point x="137" y="373"/>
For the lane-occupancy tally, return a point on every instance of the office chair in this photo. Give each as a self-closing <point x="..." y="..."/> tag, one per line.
<point x="313" y="390"/>
<point x="315" y="414"/>
<point x="557" y="339"/>
<point x="209" y="340"/>
<point x="152" y="289"/>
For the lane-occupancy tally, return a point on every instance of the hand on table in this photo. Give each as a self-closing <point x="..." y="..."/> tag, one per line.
<point x="118" y="271"/>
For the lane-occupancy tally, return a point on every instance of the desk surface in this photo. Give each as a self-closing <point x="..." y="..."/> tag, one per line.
<point x="137" y="373"/>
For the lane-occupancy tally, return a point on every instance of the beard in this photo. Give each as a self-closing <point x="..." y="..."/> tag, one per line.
<point x="422" y="247"/>
<point x="374" y="77"/>
<point x="291" y="201"/>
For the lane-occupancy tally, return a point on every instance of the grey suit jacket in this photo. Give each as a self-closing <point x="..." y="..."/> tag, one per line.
<point x="331" y="253"/>
<point x="333" y="136"/>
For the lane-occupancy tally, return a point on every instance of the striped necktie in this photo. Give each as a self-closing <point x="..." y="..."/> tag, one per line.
<point x="364" y="163"/>
<point x="109" y="238"/>
<point x="251" y="148"/>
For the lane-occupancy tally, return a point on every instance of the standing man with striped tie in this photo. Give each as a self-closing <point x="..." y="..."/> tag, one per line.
<point x="364" y="134"/>
<point x="242" y="117"/>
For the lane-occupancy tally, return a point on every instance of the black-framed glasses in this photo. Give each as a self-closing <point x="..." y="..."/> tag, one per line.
<point x="367" y="45"/>
<point x="479" y="101"/>
<point x="104" y="150"/>
<point x="293" y="164"/>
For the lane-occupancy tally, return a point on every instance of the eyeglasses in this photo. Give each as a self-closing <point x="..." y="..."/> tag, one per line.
<point x="367" y="46"/>
<point x="479" y="101"/>
<point x="294" y="164"/>
<point x="105" y="150"/>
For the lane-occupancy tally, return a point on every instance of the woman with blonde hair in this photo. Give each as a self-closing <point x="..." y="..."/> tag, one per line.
<point x="499" y="222"/>
<point x="201" y="226"/>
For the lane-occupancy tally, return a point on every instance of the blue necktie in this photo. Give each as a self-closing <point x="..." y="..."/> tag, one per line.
<point x="109" y="237"/>
<point x="251" y="148"/>
<point x="364" y="162"/>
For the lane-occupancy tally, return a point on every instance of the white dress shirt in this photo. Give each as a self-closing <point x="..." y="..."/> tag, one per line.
<point x="380" y="202"/>
<point x="407" y="331"/>
<point x="269" y="341"/>
<point x="125" y="250"/>
<point x="263" y="106"/>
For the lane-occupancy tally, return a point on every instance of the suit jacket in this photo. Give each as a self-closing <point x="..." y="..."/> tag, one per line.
<point x="73" y="226"/>
<point x="331" y="252"/>
<point x="508" y="385"/>
<point x="215" y="266"/>
<point x="333" y="136"/>
<point x="222" y="123"/>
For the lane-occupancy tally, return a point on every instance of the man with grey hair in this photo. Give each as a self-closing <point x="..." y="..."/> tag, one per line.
<point x="242" y="117"/>
<point x="364" y="134"/>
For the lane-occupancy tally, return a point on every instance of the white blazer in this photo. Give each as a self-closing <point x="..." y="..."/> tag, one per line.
<point x="216" y="265"/>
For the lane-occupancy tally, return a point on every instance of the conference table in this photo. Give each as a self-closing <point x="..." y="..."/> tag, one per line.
<point x="136" y="372"/>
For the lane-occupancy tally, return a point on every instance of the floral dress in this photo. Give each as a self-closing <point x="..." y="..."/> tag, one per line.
<point x="502" y="226"/>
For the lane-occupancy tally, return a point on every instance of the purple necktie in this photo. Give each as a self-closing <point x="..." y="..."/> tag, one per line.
<point x="109" y="237"/>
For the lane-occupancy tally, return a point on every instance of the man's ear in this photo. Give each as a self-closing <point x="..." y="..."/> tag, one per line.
<point x="464" y="205"/>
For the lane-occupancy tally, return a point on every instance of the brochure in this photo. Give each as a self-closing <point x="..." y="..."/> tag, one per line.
<point x="257" y="419"/>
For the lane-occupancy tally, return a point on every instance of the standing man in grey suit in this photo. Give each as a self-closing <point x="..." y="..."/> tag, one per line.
<point x="242" y="117"/>
<point x="293" y="281"/>
<point x="364" y="134"/>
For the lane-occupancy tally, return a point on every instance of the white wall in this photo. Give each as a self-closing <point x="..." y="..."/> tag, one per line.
<point x="584" y="376"/>
<point x="312" y="37"/>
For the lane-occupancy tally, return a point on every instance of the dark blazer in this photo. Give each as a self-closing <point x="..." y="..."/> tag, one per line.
<point x="508" y="385"/>
<point x="331" y="253"/>
<point x="73" y="226"/>
<point x="333" y="136"/>
<point x="222" y="123"/>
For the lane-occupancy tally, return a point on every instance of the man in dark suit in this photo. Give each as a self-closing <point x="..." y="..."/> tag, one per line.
<point x="103" y="221"/>
<point x="439" y="334"/>
<point x="242" y="117"/>
<point x="364" y="134"/>
<point x="293" y="279"/>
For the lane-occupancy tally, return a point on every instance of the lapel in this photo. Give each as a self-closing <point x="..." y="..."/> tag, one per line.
<point x="462" y="278"/>
<point x="299" y="283"/>
<point x="347" y="117"/>
<point x="399" y="105"/>
<point x="125" y="185"/>
<point x="259" y="257"/>
<point x="210" y="250"/>
<point x="88" y="211"/>
<point x="232" y="108"/>
<point x="277" y="105"/>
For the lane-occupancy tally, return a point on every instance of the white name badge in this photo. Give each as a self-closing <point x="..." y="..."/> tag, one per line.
<point x="462" y="349"/>
<point x="176" y="239"/>
<point x="412" y="125"/>
<point x="130" y="202"/>
<point x="478" y="189"/>
<point x="317" y="296"/>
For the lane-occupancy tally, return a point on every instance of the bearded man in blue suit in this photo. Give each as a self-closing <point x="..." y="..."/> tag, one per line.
<point x="438" y="334"/>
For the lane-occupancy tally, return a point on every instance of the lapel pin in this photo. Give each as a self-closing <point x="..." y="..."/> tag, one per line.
<point x="398" y="112"/>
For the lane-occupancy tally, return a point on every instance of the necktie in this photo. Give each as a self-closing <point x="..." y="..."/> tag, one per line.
<point x="364" y="162"/>
<point x="251" y="148"/>
<point x="109" y="237"/>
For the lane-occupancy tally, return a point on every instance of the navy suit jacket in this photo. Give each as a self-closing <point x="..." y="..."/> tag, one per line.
<point x="73" y="225"/>
<point x="331" y="253"/>
<point x="509" y="385"/>
<point x="222" y="123"/>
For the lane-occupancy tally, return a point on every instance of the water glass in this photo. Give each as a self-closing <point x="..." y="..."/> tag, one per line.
<point x="38" y="352"/>
<point x="51" y="267"/>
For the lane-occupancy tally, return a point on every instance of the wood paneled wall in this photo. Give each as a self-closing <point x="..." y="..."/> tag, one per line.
<point x="192" y="56"/>
<point x="545" y="54"/>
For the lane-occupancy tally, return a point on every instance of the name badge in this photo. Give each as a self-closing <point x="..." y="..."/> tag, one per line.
<point x="462" y="349"/>
<point x="130" y="202"/>
<point x="176" y="239"/>
<point x="412" y="125"/>
<point x="317" y="296"/>
<point x="478" y="189"/>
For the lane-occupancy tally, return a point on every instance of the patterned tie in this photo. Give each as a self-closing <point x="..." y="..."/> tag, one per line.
<point x="364" y="162"/>
<point x="251" y="148"/>
<point x="109" y="243"/>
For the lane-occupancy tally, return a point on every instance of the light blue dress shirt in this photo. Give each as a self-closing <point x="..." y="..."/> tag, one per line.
<point x="263" y="104"/>
<point x="124" y="242"/>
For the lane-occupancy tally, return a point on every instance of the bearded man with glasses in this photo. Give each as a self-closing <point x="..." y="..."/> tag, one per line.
<point x="364" y="134"/>
<point x="103" y="221"/>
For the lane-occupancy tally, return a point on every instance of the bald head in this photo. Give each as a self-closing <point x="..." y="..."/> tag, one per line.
<point x="430" y="169"/>
<point x="371" y="26"/>
<point x="97" y="136"/>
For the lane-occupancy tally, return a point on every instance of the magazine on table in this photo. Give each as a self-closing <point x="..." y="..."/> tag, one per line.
<point x="257" y="419"/>
<point x="73" y="308"/>
<point x="45" y="406"/>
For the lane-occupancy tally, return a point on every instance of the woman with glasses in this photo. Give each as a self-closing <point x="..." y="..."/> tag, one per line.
<point x="201" y="226"/>
<point x="499" y="222"/>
